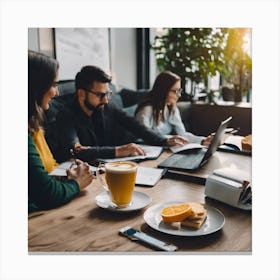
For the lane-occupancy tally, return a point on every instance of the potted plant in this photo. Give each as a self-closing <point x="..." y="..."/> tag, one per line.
<point x="197" y="53"/>
<point x="192" y="53"/>
<point x="237" y="69"/>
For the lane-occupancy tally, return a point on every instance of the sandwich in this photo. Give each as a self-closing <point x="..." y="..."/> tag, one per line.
<point x="189" y="214"/>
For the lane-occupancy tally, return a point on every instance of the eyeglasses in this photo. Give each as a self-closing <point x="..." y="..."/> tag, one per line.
<point x="177" y="91"/>
<point x="55" y="84"/>
<point x="101" y="95"/>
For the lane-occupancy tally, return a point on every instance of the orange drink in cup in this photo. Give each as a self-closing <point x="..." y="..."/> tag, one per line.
<point x="119" y="180"/>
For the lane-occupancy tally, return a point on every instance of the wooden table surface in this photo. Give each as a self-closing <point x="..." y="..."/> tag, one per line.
<point x="81" y="226"/>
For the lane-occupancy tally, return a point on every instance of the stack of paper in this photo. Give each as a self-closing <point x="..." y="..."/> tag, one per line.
<point x="60" y="170"/>
<point x="148" y="176"/>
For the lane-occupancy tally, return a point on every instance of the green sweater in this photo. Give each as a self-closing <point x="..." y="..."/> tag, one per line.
<point x="44" y="191"/>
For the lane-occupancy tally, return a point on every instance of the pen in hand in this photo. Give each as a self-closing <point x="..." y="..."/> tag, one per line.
<point x="232" y="130"/>
<point x="74" y="156"/>
<point x="76" y="162"/>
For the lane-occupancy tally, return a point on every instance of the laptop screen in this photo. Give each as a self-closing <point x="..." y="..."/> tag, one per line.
<point x="217" y="139"/>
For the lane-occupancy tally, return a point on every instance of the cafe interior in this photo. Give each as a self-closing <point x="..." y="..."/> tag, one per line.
<point x="216" y="79"/>
<point x="177" y="222"/>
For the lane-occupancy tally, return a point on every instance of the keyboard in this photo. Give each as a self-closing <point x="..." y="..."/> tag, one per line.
<point x="188" y="161"/>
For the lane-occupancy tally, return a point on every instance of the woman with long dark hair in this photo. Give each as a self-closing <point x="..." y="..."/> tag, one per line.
<point x="44" y="191"/>
<point x="159" y="110"/>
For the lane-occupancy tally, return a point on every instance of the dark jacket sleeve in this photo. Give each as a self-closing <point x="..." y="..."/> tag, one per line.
<point x="139" y="130"/>
<point x="72" y="128"/>
<point x="45" y="191"/>
<point x="93" y="153"/>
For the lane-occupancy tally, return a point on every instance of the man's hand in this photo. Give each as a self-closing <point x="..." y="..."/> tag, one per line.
<point x="130" y="149"/>
<point x="79" y="147"/>
<point x="176" y="140"/>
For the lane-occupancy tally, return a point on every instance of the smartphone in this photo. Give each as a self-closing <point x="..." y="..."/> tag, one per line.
<point x="137" y="235"/>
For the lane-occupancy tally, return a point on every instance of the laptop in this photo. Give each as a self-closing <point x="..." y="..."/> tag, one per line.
<point x="193" y="159"/>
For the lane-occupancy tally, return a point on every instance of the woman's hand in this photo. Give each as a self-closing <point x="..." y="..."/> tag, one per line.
<point x="177" y="140"/>
<point x="207" y="141"/>
<point x="81" y="173"/>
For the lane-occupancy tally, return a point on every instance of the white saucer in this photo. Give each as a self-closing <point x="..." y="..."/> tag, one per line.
<point x="139" y="201"/>
<point x="215" y="221"/>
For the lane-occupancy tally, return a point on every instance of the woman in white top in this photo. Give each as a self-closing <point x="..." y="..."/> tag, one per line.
<point x="160" y="112"/>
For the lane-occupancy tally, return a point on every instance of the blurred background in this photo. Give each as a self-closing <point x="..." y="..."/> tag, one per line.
<point x="215" y="64"/>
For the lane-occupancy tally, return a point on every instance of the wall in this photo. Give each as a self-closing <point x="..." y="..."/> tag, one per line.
<point x="41" y="40"/>
<point x="33" y="39"/>
<point x="123" y="57"/>
<point x="77" y="47"/>
<point x="122" y="52"/>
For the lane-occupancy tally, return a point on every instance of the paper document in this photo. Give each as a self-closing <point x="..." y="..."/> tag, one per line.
<point x="189" y="146"/>
<point x="152" y="152"/>
<point x="234" y="141"/>
<point x="60" y="170"/>
<point x="148" y="176"/>
<point x="233" y="173"/>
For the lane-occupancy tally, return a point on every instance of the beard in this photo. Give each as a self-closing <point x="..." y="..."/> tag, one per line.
<point x="92" y="108"/>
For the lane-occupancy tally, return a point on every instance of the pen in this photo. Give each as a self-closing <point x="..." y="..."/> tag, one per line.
<point x="74" y="156"/>
<point x="232" y="130"/>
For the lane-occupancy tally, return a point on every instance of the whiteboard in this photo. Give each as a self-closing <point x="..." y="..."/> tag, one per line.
<point x="77" y="47"/>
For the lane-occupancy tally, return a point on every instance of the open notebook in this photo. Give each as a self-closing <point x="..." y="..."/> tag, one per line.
<point x="233" y="144"/>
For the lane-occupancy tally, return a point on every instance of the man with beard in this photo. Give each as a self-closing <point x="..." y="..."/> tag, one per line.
<point x="90" y="124"/>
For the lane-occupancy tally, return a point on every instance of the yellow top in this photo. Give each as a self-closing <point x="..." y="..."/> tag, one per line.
<point x="44" y="150"/>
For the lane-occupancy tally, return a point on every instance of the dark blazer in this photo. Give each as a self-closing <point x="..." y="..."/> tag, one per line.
<point x="45" y="192"/>
<point x="101" y="132"/>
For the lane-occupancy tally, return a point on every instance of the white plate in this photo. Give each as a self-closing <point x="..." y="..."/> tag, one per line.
<point x="139" y="201"/>
<point x="214" y="221"/>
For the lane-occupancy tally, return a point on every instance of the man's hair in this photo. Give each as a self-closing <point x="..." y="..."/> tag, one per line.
<point x="89" y="74"/>
<point x="42" y="71"/>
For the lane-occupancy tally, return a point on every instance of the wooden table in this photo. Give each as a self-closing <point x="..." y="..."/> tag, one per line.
<point x="81" y="226"/>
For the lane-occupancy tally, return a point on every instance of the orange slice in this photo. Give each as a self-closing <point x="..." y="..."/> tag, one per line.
<point x="176" y="213"/>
